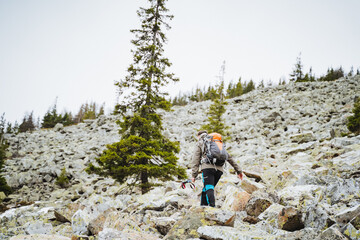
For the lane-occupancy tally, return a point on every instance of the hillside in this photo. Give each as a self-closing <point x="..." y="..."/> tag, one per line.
<point x="302" y="176"/>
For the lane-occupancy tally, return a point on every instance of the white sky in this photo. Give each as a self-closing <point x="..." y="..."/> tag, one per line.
<point x="76" y="49"/>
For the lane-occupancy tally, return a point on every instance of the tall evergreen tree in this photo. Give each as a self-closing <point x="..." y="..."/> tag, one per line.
<point x="217" y="108"/>
<point x="143" y="153"/>
<point x="215" y="120"/>
<point x="3" y="146"/>
<point x="27" y="123"/>
<point x="297" y="75"/>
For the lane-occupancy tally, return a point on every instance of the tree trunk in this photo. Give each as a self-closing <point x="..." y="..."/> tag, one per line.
<point x="144" y="182"/>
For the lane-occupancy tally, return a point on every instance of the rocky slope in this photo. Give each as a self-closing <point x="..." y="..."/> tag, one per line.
<point x="302" y="176"/>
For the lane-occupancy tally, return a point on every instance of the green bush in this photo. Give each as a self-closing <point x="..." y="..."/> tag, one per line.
<point x="354" y="121"/>
<point x="62" y="180"/>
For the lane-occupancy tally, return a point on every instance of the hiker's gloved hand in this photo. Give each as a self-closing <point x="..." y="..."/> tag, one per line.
<point x="240" y="175"/>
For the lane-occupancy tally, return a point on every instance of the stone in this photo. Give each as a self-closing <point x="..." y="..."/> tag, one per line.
<point x="164" y="224"/>
<point x="65" y="214"/>
<point x="251" y="174"/>
<point x="96" y="225"/>
<point x="58" y="127"/>
<point x="2" y="196"/>
<point x="347" y="215"/>
<point x="271" y="214"/>
<point x="250" y="186"/>
<point x="303" y="137"/>
<point x="38" y="227"/>
<point x="290" y="219"/>
<point x="356" y="222"/>
<point x="351" y="232"/>
<point x="236" y="201"/>
<point x="111" y="234"/>
<point x="332" y="233"/>
<point x="39" y="237"/>
<point x="186" y="227"/>
<point x="257" y="205"/>
<point x="221" y="217"/>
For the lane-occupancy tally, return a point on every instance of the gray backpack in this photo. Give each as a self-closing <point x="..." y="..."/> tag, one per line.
<point x="214" y="149"/>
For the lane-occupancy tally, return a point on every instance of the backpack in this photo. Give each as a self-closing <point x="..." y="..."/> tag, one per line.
<point x="214" y="149"/>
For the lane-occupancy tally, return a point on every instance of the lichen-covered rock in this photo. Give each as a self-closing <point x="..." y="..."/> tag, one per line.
<point x="332" y="233"/>
<point x="236" y="201"/>
<point x="347" y="215"/>
<point x="65" y="213"/>
<point x="39" y="237"/>
<point x="303" y="137"/>
<point x="257" y="204"/>
<point x="251" y="186"/>
<point x="351" y="232"/>
<point x="164" y="224"/>
<point x="271" y="214"/>
<point x="187" y="226"/>
<point x="290" y="219"/>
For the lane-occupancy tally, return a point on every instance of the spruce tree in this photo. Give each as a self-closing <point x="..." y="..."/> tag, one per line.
<point x="3" y="146"/>
<point x="217" y="109"/>
<point x="215" y="120"/>
<point x="354" y="120"/>
<point x="143" y="153"/>
<point x="297" y="75"/>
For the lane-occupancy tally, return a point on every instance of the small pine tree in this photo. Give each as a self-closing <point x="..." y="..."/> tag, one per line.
<point x="4" y="187"/>
<point x="215" y="121"/>
<point x="62" y="180"/>
<point x="249" y="87"/>
<point x="143" y="153"/>
<point x="297" y="75"/>
<point x="27" y="123"/>
<point x="354" y="121"/>
<point x="51" y="118"/>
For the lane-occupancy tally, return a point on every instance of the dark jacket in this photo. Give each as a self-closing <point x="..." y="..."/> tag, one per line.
<point x="198" y="155"/>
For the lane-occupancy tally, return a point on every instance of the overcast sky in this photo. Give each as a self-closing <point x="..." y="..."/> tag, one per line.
<point x="76" y="49"/>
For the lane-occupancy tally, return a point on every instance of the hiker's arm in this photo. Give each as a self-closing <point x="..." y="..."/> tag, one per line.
<point x="196" y="161"/>
<point x="235" y="165"/>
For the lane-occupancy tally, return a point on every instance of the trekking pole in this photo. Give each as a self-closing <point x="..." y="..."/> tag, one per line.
<point x="192" y="185"/>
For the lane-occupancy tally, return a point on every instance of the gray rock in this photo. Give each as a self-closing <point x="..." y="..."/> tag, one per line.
<point x="38" y="227"/>
<point x="164" y="224"/>
<point x="351" y="232"/>
<point x="347" y="215"/>
<point x="58" y="127"/>
<point x="332" y="233"/>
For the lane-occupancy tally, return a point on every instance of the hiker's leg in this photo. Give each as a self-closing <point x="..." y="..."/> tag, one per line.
<point x="209" y="182"/>
<point x="217" y="177"/>
<point x="203" y="201"/>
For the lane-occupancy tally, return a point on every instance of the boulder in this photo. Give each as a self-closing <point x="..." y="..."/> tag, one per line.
<point x="96" y="225"/>
<point x="257" y="205"/>
<point x="164" y="224"/>
<point x="351" y="232"/>
<point x="199" y="216"/>
<point x="38" y="227"/>
<point x="250" y="186"/>
<point x="347" y="215"/>
<point x="236" y="201"/>
<point x="303" y="137"/>
<point x="65" y="214"/>
<point x="290" y="219"/>
<point x="39" y="237"/>
<point x="332" y="233"/>
<point x="271" y="214"/>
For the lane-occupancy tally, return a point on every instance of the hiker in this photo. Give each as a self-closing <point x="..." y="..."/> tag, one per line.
<point x="211" y="172"/>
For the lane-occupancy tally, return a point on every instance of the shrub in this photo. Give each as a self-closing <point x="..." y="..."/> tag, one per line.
<point x="354" y="121"/>
<point x="62" y="180"/>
